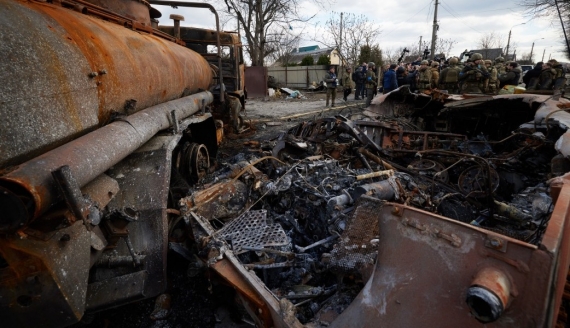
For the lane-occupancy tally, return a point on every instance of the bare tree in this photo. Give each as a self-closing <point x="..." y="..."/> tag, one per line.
<point x="491" y="40"/>
<point x="261" y="19"/>
<point x="525" y="59"/>
<point x="444" y="46"/>
<point x="548" y="8"/>
<point x="286" y="43"/>
<point x="357" y="31"/>
<point x="391" y="56"/>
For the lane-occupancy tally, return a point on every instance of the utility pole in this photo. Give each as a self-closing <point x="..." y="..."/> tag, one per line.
<point x="420" y="47"/>
<point x="543" y="54"/>
<point x="340" y="42"/>
<point x="434" y="32"/>
<point x="340" y="49"/>
<point x="531" y="49"/>
<point x="508" y="43"/>
<point x="563" y="28"/>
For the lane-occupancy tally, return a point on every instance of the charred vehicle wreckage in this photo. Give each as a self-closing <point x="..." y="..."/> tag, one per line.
<point x="348" y="221"/>
<point x="439" y="210"/>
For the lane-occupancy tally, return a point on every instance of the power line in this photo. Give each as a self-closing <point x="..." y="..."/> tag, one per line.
<point x="429" y="12"/>
<point x="409" y="19"/>
<point x="444" y="7"/>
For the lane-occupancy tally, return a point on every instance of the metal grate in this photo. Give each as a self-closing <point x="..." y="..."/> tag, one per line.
<point x="252" y="229"/>
<point x="358" y="245"/>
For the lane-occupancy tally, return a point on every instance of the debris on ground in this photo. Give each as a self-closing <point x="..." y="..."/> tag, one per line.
<point x="293" y="215"/>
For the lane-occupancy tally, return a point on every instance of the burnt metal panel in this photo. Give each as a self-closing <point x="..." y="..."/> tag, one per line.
<point x="144" y="179"/>
<point x="426" y="263"/>
<point x="126" y="288"/>
<point x="256" y="81"/>
<point x="45" y="281"/>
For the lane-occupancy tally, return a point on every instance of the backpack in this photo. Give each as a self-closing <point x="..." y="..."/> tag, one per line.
<point x="360" y="75"/>
<point x="452" y="75"/>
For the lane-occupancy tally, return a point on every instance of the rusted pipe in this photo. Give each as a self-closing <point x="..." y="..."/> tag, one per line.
<point x="489" y="294"/>
<point x="376" y="174"/>
<point x="218" y="43"/>
<point x="177" y="19"/>
<point x="90" y="155"/>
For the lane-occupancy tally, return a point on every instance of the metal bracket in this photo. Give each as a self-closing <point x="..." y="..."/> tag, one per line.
<point x="496" y="243"/>
<point x="71" y="193"/>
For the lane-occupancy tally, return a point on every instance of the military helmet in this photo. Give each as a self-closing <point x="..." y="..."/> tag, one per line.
<point x="434" y="64"/>
<point x="476" y="56"/>
<point x="453" y="61"/>
<point x="424" y="62"/>
<point x="499" y="60"/>
<point x="553" y="62"/>
<point x="488" y="62"/>
<point x="371" y="64"/>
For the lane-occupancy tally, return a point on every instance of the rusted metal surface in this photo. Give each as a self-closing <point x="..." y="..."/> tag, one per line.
<point x="143" y="248"/>
<point x="44" y="276"/>
<point x="101" y="190"/>
<point x="219" y="50"/>
<point x="256" y="81"/>
<point x="449" y="254"/>
<point x="92" y="154"/>
<point x="490" y="293"/>
<point x="134" y="9"/>
<point x="557" y="242"/>
<point x="222" y="200"/>
<point x="88" y="69"/>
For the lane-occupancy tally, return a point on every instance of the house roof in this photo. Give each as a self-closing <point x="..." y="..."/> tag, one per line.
<point x="297" y="57"/>
<point x="307" y="48"/>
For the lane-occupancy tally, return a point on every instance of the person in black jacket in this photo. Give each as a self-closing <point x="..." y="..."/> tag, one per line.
<point x="412" y="79"/>
<point x="530" y="84"/>
<point x="512" y="76"/>
<point x="401" y="76"/>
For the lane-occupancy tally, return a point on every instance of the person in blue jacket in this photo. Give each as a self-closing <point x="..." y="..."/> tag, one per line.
<point x="390" y="83"/>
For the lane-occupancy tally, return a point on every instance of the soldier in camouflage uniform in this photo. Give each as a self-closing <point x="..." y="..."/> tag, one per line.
<point x="473" y="75"/>
<point x="493" y="80"/>
<point x="370" y="83"/>
<point x="500" y="65"/>
<point x="424" y="80"/>
<point x="434" y="74"/>
<point x="560" y="76"/>
<point x="547" y="77"/>
<point x="449" y="77"/>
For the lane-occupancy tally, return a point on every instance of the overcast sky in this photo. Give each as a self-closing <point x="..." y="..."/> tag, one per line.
<point x="403" y="22"/>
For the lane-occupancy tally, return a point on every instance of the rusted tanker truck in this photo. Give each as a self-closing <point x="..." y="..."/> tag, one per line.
<point x="101" y="110"/>
<point x="107" y="118"/>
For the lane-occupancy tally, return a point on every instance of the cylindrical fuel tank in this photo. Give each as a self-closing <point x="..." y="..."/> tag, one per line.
<point x="64" y="73"/>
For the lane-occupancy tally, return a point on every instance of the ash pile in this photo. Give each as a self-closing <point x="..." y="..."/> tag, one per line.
<point x="289" y="210"/>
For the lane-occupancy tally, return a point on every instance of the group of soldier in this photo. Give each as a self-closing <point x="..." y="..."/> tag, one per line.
<point x="477" y="75"/>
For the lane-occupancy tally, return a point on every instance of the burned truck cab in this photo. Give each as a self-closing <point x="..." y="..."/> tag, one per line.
<point x="232" y="72"/>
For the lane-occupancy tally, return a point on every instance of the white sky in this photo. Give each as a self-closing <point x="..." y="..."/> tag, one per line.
<point x="403" y="22"/>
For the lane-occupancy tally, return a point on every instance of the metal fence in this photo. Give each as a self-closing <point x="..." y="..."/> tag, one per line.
<point x="299" y="77"/>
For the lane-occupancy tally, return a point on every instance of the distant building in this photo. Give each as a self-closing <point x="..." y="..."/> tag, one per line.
<point x="297" y="55"/>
